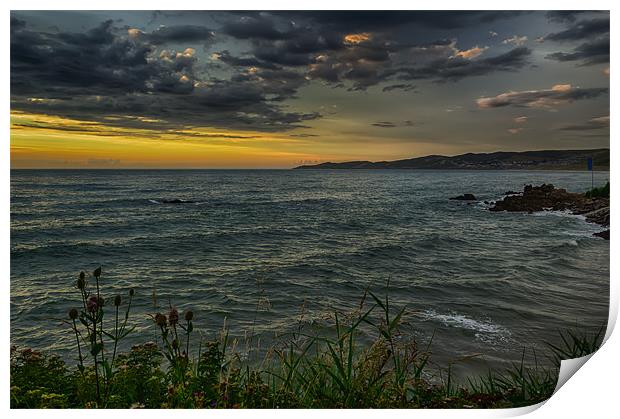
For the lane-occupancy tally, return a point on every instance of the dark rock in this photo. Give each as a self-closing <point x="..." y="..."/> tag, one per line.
<point x="598" y="216"/>
<point x="602" y="234"/>
<point x="546" y="197"/>
<point x="176" y="201"/>
<point x="465" y="197"/>
<point x="539" y="198"/>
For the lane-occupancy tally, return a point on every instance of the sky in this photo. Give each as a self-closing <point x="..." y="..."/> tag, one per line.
<point x="201" y="89"/>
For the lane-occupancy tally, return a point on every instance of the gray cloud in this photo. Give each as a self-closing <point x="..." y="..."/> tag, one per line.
<point x="456" y="68"/>
<point x="563" y="16"/>
<point x="176" y="34"/>
<point x="594" y="35"/>
<point x="384" y="124"/>
<point x="601" y="122"/>
<point x="123" y="73"/>
<point x="545" y="99"/>
<point x="404" y="87"/>
<point x="584" y="29"/>
<point x="589" y="53"/>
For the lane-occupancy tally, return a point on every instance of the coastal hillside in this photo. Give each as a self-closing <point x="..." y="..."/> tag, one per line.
<point x="502" y="160"/>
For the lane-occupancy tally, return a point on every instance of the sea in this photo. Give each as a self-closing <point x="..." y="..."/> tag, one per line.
<point x="264" y="255"/>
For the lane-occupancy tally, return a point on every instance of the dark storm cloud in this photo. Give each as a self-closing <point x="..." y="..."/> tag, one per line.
<point x="545" y="99"/>
<point x="225" y="57"/>
<point x="255" y="26"/>
<point x="403" y="87"/>
<point x="588" y="53"/>
<point x="261" y="61"/>
<point x="377" y="20"/>
<point x="17" y="24"/>
<point x="384" y="124"/>
<point x="594" y="35"/>
<point x="563" y="16"/>
<point x="317" y="42"/>
<point x="389" y="124"/>
<point x="105" y="71"/>
<point x="303" y="135"/>
<point x="584" y="29"/>
<point x="456" y="68"/>
<point x="179" y="34"/>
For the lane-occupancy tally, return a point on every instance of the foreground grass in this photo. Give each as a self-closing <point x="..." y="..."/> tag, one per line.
<point x="303" y="371"/>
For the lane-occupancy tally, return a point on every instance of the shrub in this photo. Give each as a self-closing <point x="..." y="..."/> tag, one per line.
<point x="600" y="192"/>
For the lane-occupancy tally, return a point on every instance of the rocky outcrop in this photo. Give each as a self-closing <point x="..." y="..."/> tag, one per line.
<point x="176" y="201"/>
<point x="465" y="197"/>
<point x="548" y="198"/>
<point x="603" y="234"/>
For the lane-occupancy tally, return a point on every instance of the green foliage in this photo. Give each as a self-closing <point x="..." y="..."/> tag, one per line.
<point x="600" y="192"/>
<point x="93" y="339"/>
<point x="39" y="380"/>
<point x="575" y="344"/>
<point x="329" y="370"/>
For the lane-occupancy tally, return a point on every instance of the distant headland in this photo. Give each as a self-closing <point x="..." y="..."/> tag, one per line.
<point x="501" y="160"/>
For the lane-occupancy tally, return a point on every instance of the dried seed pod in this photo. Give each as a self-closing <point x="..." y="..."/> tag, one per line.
<point x="173" y="316"/>
<point x="73" y="314"/>
<point x="160" y="320"/>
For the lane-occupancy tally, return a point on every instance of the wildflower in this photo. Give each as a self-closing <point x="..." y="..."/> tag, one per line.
<point x="73" y="314"/>
<point x="173" y="316"/>
<point x="117" y="300"/>
<point x="175" y="344"/>
<point x="160" y="320"/>
<point x="97" y="272"/>
<point x="131" y="292"/>
<point x="92" y="305"/>
<point x="189" y="315"/>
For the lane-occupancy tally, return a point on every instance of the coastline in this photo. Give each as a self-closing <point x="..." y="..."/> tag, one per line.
<point x="546" y="197"/>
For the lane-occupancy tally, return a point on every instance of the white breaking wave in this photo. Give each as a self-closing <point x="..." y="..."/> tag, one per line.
<point x="486" y="331"/>
<point x="565" y="213"/>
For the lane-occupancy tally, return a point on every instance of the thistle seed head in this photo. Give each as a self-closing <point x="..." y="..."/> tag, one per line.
<point x="160" y="320"/>
<point x="92" y="304"/>
<point x="173" y="316"/>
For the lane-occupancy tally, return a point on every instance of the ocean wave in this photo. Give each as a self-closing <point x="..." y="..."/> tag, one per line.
<point x="174" y="201"/>
<point x="565" y="213"/>
<point x="485" y="331"/>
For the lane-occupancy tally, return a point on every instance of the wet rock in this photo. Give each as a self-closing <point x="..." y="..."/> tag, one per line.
<point x="539" y="198"/>
<point x="548" y="198"/>
<point x="599" y="216"/>
<point x="512" y="193"/>
<point x="465" y="197"/>
<point x="602" y="234"/>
